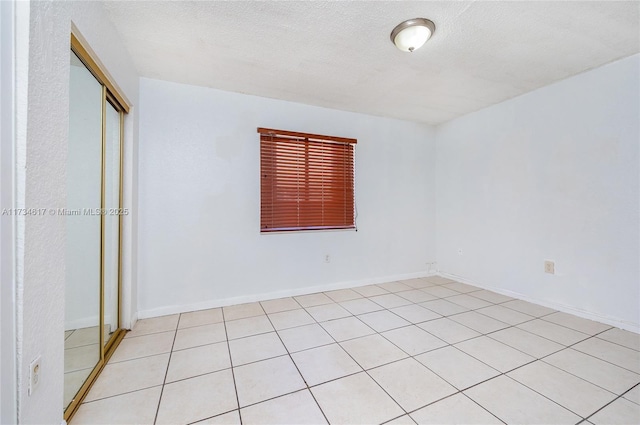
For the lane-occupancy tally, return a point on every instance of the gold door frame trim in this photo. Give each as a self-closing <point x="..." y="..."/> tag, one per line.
<point x="120" y="207"/>
<point x="92" y="63"/>
<point x="111" y="94"/>
<point x="91" y="379"/>
<point x="120" y="215"/>
<point x="103" y="167"/>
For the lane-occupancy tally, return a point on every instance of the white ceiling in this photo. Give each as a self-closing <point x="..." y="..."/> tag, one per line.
<point x="338" y="54"/>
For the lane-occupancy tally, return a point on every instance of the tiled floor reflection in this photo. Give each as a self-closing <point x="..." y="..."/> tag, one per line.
<point x="81" y="354"/>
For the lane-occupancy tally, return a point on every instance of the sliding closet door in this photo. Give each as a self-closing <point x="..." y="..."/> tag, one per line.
<point x="94" y="210"/>
<point x="111" y="220"/>
<point x="82" y="297"/>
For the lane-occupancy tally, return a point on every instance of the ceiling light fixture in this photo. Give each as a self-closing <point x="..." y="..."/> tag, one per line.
<point x="412" y="34"/>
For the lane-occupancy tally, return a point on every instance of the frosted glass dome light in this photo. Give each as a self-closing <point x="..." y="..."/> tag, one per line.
<point x="412" y="34"/>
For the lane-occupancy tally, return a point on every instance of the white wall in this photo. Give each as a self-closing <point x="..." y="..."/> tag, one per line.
<point x="552" y="174"/>
<point x="200" y="243"/>
<point x="7" y="240"/>
<point x="42" y="99"/>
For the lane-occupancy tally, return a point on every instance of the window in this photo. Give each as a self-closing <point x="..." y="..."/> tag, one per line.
<point x="306" y="181"/>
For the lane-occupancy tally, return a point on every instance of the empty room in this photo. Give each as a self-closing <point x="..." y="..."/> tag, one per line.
<point x="314" y="212"/>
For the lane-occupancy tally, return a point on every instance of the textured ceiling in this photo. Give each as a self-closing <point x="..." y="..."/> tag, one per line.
<point x="338" y="54"/>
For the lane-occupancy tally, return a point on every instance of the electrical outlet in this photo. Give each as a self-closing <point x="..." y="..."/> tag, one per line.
<point x="34" y="375"/>
<point x="327" y="258"/>
<point x="549" y="267"/>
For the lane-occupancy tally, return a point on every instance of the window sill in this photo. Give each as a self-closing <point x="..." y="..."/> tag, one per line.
<point x="280" y="232"/>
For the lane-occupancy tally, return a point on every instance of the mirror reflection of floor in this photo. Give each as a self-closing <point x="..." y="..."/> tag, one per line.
<point x="108" y="331"/>
<point x="81" y="354"/>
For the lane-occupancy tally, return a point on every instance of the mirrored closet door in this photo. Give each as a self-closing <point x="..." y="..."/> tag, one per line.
<point x="111" y="236"/>
<point x="93" y="222"/>
<point x="84" y="177"/>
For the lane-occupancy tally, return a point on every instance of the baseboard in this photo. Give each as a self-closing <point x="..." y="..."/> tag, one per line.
<point x="86" y="322"/>
<point x="134" y="319"/>
<point x="183" y="308"/>
<point x="602" y="318"/>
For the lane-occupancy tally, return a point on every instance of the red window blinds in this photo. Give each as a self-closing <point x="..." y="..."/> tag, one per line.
<point x="306" y="181"/>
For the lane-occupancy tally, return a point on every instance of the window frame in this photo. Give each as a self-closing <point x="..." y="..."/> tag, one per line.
<point x="308" y="158"/>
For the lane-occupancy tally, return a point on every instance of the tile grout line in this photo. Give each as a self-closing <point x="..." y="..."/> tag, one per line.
<point x="408" y="413"/>
<point x="124" y="393"/>
<point x="81" y="346"/>
<point x="263" y="401"/>
<point x="400" y="327"/>
<point x="611" y="402"/>
<point x="531" y="362"/>
<point x="307" y="349"/>
<point x="487" y="380"/>
<point x="481" y="334"/>
<point x="460" y="391"/>
<point x="502" y="373"/>
<point x="586" y="354"/>
<point x="72" y="331"/>
<point x="588" y="336"/>
<point x="395" y="361"/>
<point x="363" y="369"/>
<point x="233" y="375"/>
<point x="537" y="392"/>
<point x="572" y="374"/>
<point x="296" y="365"/>
<point x="482" y="407"/>
<point x="209" y="373"/>
<point x="382" y="309"/>
<point x="595" y="357"/>
<point x="214" y="416"/>
<point x="615" y="343"/>
<point x="155" y="419"/>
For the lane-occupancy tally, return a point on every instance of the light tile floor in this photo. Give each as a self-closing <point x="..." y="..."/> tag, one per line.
<point x="426" y="351"/>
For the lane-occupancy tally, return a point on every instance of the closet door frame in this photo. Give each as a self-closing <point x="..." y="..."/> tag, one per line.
<point x="112" y="95"/>
<point x="108" y="98"/>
